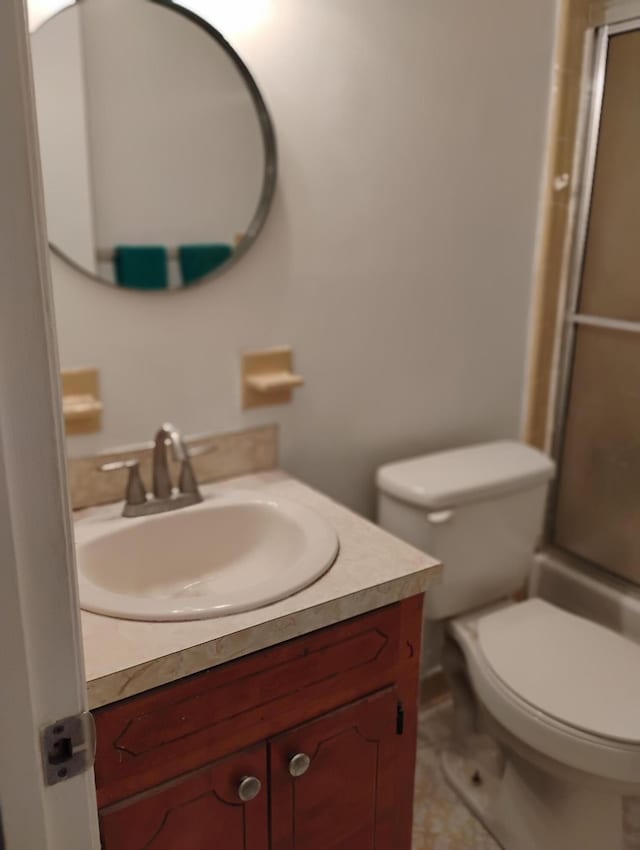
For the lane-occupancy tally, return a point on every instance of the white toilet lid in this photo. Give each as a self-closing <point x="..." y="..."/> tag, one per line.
<point x="574" y="670"/>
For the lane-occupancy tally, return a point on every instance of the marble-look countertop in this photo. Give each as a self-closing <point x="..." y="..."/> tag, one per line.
<point x="373" y="569"/>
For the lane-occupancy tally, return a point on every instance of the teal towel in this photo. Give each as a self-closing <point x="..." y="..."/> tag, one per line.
<point x="142" y="266"/>
<point x="197" y="261"/>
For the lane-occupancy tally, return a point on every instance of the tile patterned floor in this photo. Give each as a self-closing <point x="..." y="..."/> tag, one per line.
<point x="441" y="821"/>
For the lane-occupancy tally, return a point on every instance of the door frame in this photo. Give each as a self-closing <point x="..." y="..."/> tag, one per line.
<point x="41" y="667"/>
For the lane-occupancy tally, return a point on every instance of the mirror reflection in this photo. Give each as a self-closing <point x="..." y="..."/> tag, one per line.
<point x="157" y="148"/>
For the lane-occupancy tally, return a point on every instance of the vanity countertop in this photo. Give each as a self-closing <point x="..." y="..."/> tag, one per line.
<point x="373" y="569"/>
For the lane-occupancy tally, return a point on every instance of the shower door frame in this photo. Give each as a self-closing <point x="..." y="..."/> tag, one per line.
<point x="571" y="318"/>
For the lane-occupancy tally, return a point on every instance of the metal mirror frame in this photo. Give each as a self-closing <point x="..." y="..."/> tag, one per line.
<point x="270" y="155"/>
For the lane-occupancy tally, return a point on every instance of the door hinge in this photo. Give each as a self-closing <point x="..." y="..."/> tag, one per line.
<point x="400" y="719"/>
<point x="68" y="747"/>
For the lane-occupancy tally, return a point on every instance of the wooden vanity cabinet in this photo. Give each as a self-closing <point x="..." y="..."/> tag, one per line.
<point x="309" y="745"/>
<point x="199" y="811"/>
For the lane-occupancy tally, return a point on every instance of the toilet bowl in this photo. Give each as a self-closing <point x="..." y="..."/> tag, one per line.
<point x="547" y="700"/>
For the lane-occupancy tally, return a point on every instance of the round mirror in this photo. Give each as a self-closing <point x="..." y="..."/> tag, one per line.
<point x="158" y="152"/>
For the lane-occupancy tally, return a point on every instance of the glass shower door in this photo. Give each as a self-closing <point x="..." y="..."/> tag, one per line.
<point x="597" y="507"/>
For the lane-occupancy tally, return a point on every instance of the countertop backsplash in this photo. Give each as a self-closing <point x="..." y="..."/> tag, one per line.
<point x="237" y="453"/>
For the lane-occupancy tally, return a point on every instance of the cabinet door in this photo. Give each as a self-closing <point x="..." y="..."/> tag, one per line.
<point x="344" y="799"/>
<point x="198" y="811"/>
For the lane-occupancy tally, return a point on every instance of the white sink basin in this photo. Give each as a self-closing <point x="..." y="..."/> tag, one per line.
<point x="230" y="553"/>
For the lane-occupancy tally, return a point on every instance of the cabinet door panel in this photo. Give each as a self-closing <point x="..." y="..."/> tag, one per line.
<point x="198" y="811"/>
<point x="345" y="800"/>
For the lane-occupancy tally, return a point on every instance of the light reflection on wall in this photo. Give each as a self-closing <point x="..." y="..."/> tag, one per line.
<point x="40" y="10"/>
<point x="231" y="17"/>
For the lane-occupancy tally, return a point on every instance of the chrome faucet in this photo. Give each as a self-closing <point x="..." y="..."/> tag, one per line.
<point x="165" y="497"/>
<point x="166" y="437"/>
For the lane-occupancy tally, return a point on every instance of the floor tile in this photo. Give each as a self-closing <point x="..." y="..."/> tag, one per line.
<point x="441" y="821"/>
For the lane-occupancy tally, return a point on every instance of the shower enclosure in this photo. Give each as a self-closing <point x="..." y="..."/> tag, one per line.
<point x="596" y="510"/>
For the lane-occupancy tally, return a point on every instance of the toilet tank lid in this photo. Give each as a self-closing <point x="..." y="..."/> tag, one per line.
<point x="451" y="478"/>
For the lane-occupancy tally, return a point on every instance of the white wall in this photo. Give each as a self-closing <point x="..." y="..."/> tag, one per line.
<point x="397" y="259"/>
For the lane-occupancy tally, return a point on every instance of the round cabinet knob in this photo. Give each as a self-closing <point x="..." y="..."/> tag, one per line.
<point x="249" y="788"/>
<point x="299" y="764"/>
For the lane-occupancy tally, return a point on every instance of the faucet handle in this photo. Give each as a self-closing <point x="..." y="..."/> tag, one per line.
<point x="188" y="482"/>
<point x="135" y="493"/>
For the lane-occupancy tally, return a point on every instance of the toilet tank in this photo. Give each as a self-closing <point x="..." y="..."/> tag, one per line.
<point x="477" y="509"/>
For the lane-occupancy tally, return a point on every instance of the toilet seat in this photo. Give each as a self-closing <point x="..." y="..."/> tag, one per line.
<point x="571" y="668"/>
<point x="540" y="673"/>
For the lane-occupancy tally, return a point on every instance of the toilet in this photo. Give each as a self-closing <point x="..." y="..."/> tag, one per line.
<point x="546" y="750"/>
